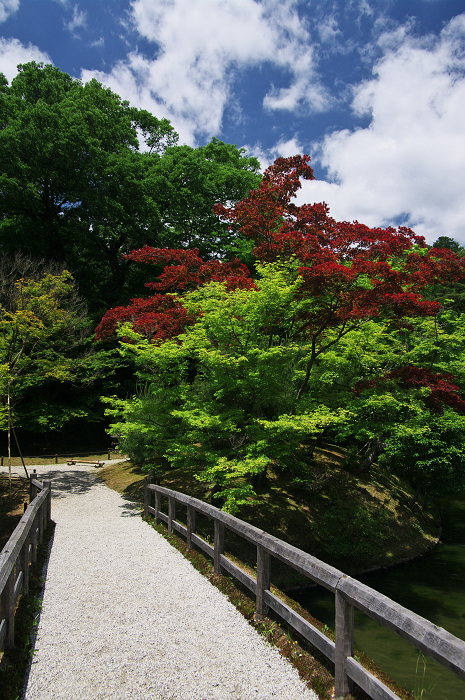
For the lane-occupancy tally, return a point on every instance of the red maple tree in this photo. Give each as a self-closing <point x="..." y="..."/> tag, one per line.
<point x="350" y="272"/>
<point x="443" y="390"/>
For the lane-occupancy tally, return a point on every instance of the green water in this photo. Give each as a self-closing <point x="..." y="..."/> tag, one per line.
<point x="433" y="587"/>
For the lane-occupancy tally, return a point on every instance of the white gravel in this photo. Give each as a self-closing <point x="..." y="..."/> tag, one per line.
<point x="125" y="616"/>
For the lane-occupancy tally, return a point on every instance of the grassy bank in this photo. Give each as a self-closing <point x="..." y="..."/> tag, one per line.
<point x="351" y="520"/>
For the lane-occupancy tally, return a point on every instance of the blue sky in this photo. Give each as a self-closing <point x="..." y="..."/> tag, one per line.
<point x="373" y="90"/>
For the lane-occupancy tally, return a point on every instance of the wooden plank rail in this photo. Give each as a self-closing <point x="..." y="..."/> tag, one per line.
<point x="18" y="553"/>
<point x="349" y="593"/>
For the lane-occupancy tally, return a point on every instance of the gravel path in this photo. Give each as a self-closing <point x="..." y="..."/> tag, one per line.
<point x="125" y="616"/>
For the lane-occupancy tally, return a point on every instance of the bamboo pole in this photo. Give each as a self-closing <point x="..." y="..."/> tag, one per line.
<point x="9" y="439"/>
<point x="19" y="449"/>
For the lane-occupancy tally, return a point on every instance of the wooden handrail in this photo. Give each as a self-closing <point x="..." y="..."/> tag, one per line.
<point x="349" y="593"/>
<point x="18" y="553"/>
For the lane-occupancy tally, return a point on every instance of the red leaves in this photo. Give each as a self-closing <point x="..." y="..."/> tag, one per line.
<point x="159" y="318"/>
<point x="260" y="215"/>
<point x="349" y="272"/>
<point x="162" y="316"/>
<point x="185" y="270"/>
<point x="443" y="390"/>
<point x="360" y="272"/>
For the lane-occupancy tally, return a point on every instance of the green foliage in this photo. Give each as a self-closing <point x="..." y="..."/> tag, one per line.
<point x="429" y="450"/>
<point x="332" y="337"/>
<point x="74" y="186"/>
<point x="185" y="183"/>
<point x="142" y="426"/>
<point x="223" y="396"/>
<point x="44" y="345"/>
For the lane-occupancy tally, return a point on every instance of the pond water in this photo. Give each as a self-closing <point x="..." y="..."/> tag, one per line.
<point x="433" y="587"/>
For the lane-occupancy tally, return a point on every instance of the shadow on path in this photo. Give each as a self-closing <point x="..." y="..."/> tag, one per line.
<point x="68" y="482"/>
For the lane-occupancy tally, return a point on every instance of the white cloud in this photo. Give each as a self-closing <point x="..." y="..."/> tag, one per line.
<point x="410" y="162"/>
<point x="283" y="149"/>
<point x="12" y="52"/>
<point x="7" y="7"/>
<point x="79" y="19"/>
<point x="201" y="45"/>
<point x="98" y="43"/>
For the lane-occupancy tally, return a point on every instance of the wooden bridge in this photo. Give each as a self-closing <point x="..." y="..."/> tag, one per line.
<point x="349" y="593"/>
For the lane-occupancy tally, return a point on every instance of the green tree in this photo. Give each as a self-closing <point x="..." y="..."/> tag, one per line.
<point x="44" y="345"/>
<point x="333" y="336"/>
<point x="187" y="182"/>
<point x="75" y="188"/>
<point x="449" y="244"/>
<point x="224" y="395"/>
<point x="71" y="183"/>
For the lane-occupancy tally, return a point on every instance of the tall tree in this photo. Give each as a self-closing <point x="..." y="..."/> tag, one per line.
<point x="74" y="186"/>
<point x="71" y="178"/>
<point x="186" y="183"/>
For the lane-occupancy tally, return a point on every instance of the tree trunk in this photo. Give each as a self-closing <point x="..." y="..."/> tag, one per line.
<point x="377" y="447"/>
<point x="259" y="480"/>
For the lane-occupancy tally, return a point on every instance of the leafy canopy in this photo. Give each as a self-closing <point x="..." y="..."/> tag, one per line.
<point x="43" y="337"/>
<point x="242" y="373"/>
<point x="75" y="188"/>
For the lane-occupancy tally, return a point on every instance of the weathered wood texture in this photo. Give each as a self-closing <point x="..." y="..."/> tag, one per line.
<point x="369" y="683"/>
<point x="430" y="639"/>
<point x="263" y="579"/>
<point x="307" y="630"/>
<point x="344" y="643"/>
<point x="218" y="547"/>
<point x="18" y="553"/>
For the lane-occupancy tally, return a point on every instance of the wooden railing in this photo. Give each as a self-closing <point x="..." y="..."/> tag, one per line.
<point x="349" y="594"/>
<point x="18" y="553"/>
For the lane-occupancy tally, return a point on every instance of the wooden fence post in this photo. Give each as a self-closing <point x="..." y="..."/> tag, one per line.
<point x="344" y="645"/>
<point x="218" y="547"/>
<point x="8" y="609"/>
<point x="263" y="581"/>
<point x="157" y="506"/>
<point x="34" y="540"/>
<point x="32" y="488"/>
<point x="190" y="526"/>
<point x="40" y="524"/>
<point x="147" y="496"/>
<point x="48" y="503"/>
<point x="171" y="513"/>
<point x="24" y="559"/>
